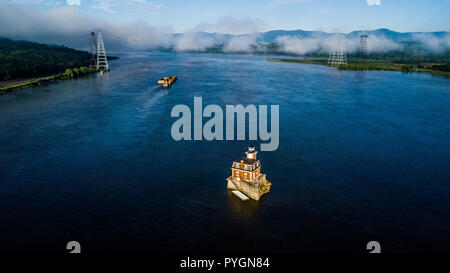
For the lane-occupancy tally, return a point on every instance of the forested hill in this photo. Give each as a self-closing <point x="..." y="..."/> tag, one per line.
<point x="21" y="59"/>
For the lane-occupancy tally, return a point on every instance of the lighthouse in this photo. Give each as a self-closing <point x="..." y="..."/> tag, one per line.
<point x="246" y="176"/>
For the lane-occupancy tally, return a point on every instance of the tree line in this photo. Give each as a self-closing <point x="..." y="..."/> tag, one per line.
<point x="22" y="59"/>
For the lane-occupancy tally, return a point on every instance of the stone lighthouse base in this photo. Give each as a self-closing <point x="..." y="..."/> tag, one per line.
<point x="252" y="188"/>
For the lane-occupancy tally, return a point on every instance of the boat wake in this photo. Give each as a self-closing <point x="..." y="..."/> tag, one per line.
<point x="148" y="99"/>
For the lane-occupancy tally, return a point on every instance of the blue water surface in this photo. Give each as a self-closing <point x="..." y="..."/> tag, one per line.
<point x="363" y="156"/>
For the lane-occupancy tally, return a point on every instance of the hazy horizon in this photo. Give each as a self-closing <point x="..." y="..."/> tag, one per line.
<point x="143" y="24"/>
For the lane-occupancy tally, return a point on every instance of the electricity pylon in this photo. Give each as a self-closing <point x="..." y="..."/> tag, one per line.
<point x="338" y="57"/>
<point x="363" y="48"/>
<point x="102" y="61"/>
<point x="93" y="64"/>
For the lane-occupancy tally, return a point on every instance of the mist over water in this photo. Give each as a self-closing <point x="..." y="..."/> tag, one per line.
<point x="363" y="156"/>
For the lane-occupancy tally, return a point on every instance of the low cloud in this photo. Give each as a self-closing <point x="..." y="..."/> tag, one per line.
<point x="114" y="6"/>
<point x="302" y="46"/>
<point x="69" y="26"/>
<point x="432" y="42"/>
<point x="241" y="43"/>
<point x="379" y="43"/>
<point x="233" y="25"/>
<point x="197" y="39"/>
<point x="194" y="41"/>
<point x="295" y="45"/>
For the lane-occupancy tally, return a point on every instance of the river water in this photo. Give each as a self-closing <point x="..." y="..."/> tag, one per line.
<point x="363" y="156"/>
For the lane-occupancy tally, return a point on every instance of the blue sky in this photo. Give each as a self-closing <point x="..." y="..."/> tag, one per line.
<point x="325" y="15"/>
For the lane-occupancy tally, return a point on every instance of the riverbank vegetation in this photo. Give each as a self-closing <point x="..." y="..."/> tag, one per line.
<point x="67" y="74"/>
<point x="24" y="64"/>
<point x="412" y="64"/>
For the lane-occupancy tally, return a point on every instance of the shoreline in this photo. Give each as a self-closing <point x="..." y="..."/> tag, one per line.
<point x="371" y="65"/>
<point x="68" y="74"/>
<point x="21" y="84"/>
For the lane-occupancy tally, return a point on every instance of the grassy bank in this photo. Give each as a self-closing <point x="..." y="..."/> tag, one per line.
<point x="373" y="64"/>
<point x="317" y="60"/>
<point x="67" y="75"/>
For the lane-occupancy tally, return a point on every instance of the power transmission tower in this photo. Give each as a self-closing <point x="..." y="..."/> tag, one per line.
<point x="102" y="61"/>
<point x="338" y="57"/>
<point x="363" y="48"/>
<point x="93" y="64"/>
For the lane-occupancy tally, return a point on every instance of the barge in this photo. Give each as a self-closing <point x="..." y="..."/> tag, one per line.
<point x="167" y="81"/>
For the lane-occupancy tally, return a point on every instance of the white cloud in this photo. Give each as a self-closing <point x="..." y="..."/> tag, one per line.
<point x="114" y="6"/>
<point x="194" y="41"/>
<point x="232" y="25"/>
<point x="73" y="2"/>
<point x="240" y="43"/>
<point x="70" y="26"/>
<point x="433" y="42"/>
<point x="374" y="2"/>
<point x="297" y="45"/>
<point x="301" y="46"/>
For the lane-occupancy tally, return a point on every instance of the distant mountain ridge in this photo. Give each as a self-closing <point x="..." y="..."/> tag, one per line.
<point x="293" y="42"/>
<point x="272" y="35"/>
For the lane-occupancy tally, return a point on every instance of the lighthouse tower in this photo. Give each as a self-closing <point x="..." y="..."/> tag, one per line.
<point x="251" y="153"/>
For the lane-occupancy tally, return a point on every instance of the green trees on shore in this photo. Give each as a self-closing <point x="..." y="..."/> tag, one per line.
<point x="21" y="59"/>
<point x="77" y="72"/>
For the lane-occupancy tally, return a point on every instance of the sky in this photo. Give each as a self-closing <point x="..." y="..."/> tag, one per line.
<point x="262" y="15"/>
<point x="146" y="24"/>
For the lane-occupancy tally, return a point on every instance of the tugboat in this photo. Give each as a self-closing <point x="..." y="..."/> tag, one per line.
<point x="246" y="178"/>
<point x="167" y="81"/>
